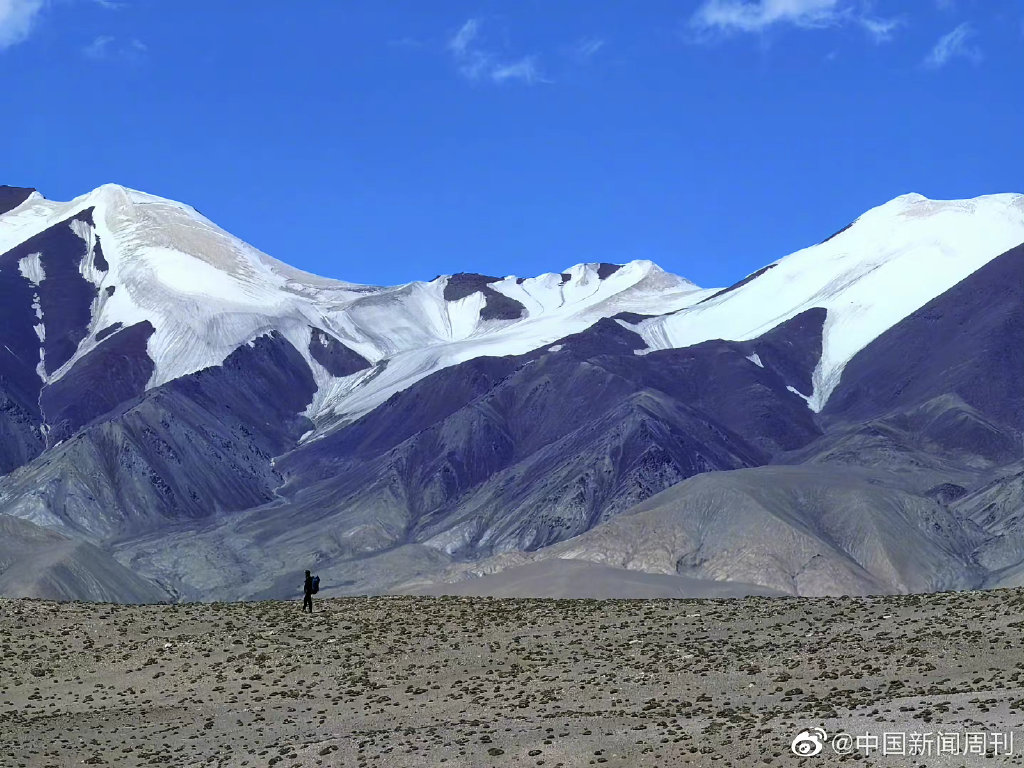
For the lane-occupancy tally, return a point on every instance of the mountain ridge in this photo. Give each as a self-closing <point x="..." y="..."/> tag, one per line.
<point x="165" y="385"/>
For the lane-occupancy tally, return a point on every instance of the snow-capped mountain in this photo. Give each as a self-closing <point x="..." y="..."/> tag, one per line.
<point x="173" y="396"/>
<point x="869" y="276"/>
<point x="205" y="293"/>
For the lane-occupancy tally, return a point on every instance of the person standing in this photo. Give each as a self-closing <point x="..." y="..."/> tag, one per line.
<point x="307" y="593"/>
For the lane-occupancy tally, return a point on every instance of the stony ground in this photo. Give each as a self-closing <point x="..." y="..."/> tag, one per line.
<point x="477" y="682"/>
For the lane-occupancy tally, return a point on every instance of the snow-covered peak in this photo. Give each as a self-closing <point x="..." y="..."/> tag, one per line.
<point x="418" y="332"/>
<point x="206" y="292"/>
<point x="916" y="206"/>
<point x="891" y="261"/>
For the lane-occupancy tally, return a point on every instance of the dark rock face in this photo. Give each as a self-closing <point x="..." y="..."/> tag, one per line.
<point x="196" y="447"/>
<point x="503" y="453"/>
<point x="580" y="478"/>
<point x="793" y="348"/>
<point x="21" y="438"/>
<point x="105" y="332"/>
<point x="938" y="399"/>
<point x="838" y="232"/>
<point x="264" y="384"/>
<point x="114" y="372"/>
<point x="607" y="270"/>
<point x="402" y="416"/>
<point x="949" y="425"/>
<point x="755" y="404"/>
<point x="97" y="255"/>
<point x="522" y="452"/>
<point x="964" y="343"/>
<point x="497" y="306"/>
<point x="338" y="359"/>
<point x="945" y="493"/>
<point x="12" y="197"/>
<point x="20" y="418"/>
<point x="62" y="304"/>
<point x="605" y="337"/>
<point x="734" y="286"/>
<point x="97" y="258"/>
<point x="65" y="296"/>
<point x="633" y="318"/>
<point x="997" y="509"/>
<point x="501" y="307"/>
<point x="719" y="377"/>
<point x="463" y="284"/>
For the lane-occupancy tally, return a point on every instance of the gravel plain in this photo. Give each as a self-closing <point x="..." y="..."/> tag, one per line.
<point x="459" y="681"/>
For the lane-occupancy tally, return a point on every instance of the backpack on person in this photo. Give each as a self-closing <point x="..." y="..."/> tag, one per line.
<point x="316" y="585"/>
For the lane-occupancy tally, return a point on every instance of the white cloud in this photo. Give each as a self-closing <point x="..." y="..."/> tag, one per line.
<point x="463" y="39"/>
<point x="99" y="47"/>
<point x="880" y="30"/>
<point x="473" y="61"/>
<point x="757" y="16"/>
<point x="107" y="47"/>
<point x="953" y="45"/>
<point x="587" y="47"/>
<point x="16" y="20"/>
<point x="525" y="69"/>
<point x="476" y="61"/>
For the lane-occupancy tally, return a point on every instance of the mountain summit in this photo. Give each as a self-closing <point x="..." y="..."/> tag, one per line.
<point x="179" y="403"/>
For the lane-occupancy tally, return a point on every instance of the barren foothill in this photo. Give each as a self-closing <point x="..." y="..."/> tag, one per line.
<point x="418" y="681"/>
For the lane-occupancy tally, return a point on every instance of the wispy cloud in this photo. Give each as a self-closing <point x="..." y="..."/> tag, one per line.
<point x="880" y="30"/>
<point x="110" y="48"/>
<point x="525" y="70"/>
<point x="953" y="45"/>
<point x="472" y="60"/>
<point x="758" y="15"/>
<point x="587" y="48"/>
<point x="17" y="17"/>
<point x="463" y="40"/>
<point x="99" y="47"/>
<point x="477" y="61"/>
<point x="720" y="17"/>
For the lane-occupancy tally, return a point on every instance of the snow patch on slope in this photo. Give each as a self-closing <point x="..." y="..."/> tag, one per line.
<point x="31" y="268"/>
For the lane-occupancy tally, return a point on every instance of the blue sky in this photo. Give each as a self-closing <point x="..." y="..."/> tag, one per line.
<point x="383" y="141"/>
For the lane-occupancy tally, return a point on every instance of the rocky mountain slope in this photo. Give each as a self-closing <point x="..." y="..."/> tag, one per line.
<point x="212" y="420"/>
